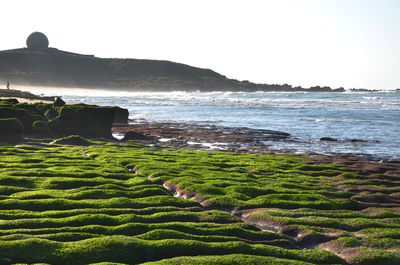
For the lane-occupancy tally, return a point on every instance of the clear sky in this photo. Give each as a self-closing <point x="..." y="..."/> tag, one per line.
<point x="349" y="43"/>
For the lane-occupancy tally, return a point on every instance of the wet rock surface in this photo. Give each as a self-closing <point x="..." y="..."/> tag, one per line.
<point x="196" y="136"/>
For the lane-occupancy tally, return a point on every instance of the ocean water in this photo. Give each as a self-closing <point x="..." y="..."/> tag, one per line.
<point x="372" y="117"/>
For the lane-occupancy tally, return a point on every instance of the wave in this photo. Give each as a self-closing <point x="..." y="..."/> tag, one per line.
<point x="141" y="116"/>
<point x="306" y="116"/>
<point x="315" y="119"/>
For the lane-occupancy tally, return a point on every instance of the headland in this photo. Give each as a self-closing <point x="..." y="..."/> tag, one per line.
<point x="40" y="65"/>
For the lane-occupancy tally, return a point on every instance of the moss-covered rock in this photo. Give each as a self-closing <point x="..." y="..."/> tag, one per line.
<point x="29" y="107"/>
<point x="132" y="135"/>
<point x="24" y="116"/>
<point x="73" y="140"/>
<point x="8" y="101"/>
<point x="56" y="127"/>
<point x="87" y="120"/>
<point x="11" y="130"/>
<point x="42" y="108"/>
<point x="41" y="128"/>
<point x="51" y="114"/>
<point x="62" y="119"/>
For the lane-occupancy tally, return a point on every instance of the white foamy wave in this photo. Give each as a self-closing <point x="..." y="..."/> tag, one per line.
<point x="315" y="119"/>
<point x="141" y="116"/>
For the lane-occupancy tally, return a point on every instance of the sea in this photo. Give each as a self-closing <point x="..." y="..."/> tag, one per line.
<point x="361" y="122"/>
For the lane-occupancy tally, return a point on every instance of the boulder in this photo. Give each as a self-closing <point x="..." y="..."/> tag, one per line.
<point x="328" y="139"/>
<point x="132" y="135"/>
<point x="357" y="141"/>
<point x="86" y="120"/>
<point x="63" y="120"/>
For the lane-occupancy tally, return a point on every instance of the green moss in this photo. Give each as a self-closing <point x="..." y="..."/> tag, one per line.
<point x="42" y="108"/>
<point x="73" y="140"/>
<point x="51" y="114"/>
<point x="24" y="116"/>
<point x="128" y="250"/>
<point x="8" y="101"/>
<point x="82" y="205"/>
<point x="41" y="128"/>
<point x="376" y="257"/>
<point x="87" y="120"/>
<point x="234" y="259"/>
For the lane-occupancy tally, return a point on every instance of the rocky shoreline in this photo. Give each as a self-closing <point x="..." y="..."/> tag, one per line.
<point x="246" y="140"/>
<point x="204" y="136"/>
<point x="232" y="139"/>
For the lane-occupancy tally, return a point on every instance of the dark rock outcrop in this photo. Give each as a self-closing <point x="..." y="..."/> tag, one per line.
<point x="86" y="120"/>
<point x="132" y="135"/>
<point x="121" y="115"/>
<point x="328" y="139"/>
<point x="357" y="141"/>
<point x="11" y="130"/>
<point x="59" y="119"/>
<point x="26" y="117"/>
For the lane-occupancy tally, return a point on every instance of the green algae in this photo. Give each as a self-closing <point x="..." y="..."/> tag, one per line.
<point x="82" y="205"/>
<point x="233" y="259"/>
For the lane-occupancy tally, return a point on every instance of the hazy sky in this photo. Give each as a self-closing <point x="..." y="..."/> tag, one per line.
<point x="349" y="43"/>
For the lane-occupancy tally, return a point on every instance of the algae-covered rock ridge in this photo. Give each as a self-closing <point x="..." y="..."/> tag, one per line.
<point x="56" y="119"/>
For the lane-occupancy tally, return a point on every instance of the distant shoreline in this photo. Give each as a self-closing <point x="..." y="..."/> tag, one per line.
<point x="23" y="87"/>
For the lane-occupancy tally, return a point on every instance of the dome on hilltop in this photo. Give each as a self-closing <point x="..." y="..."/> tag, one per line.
<point x="37" y="41"/>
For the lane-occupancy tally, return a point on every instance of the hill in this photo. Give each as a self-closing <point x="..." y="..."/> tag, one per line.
<point x="53" y="67"/>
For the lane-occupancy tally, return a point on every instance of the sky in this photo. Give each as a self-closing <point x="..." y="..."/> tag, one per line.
<point x="337" y="43"/>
